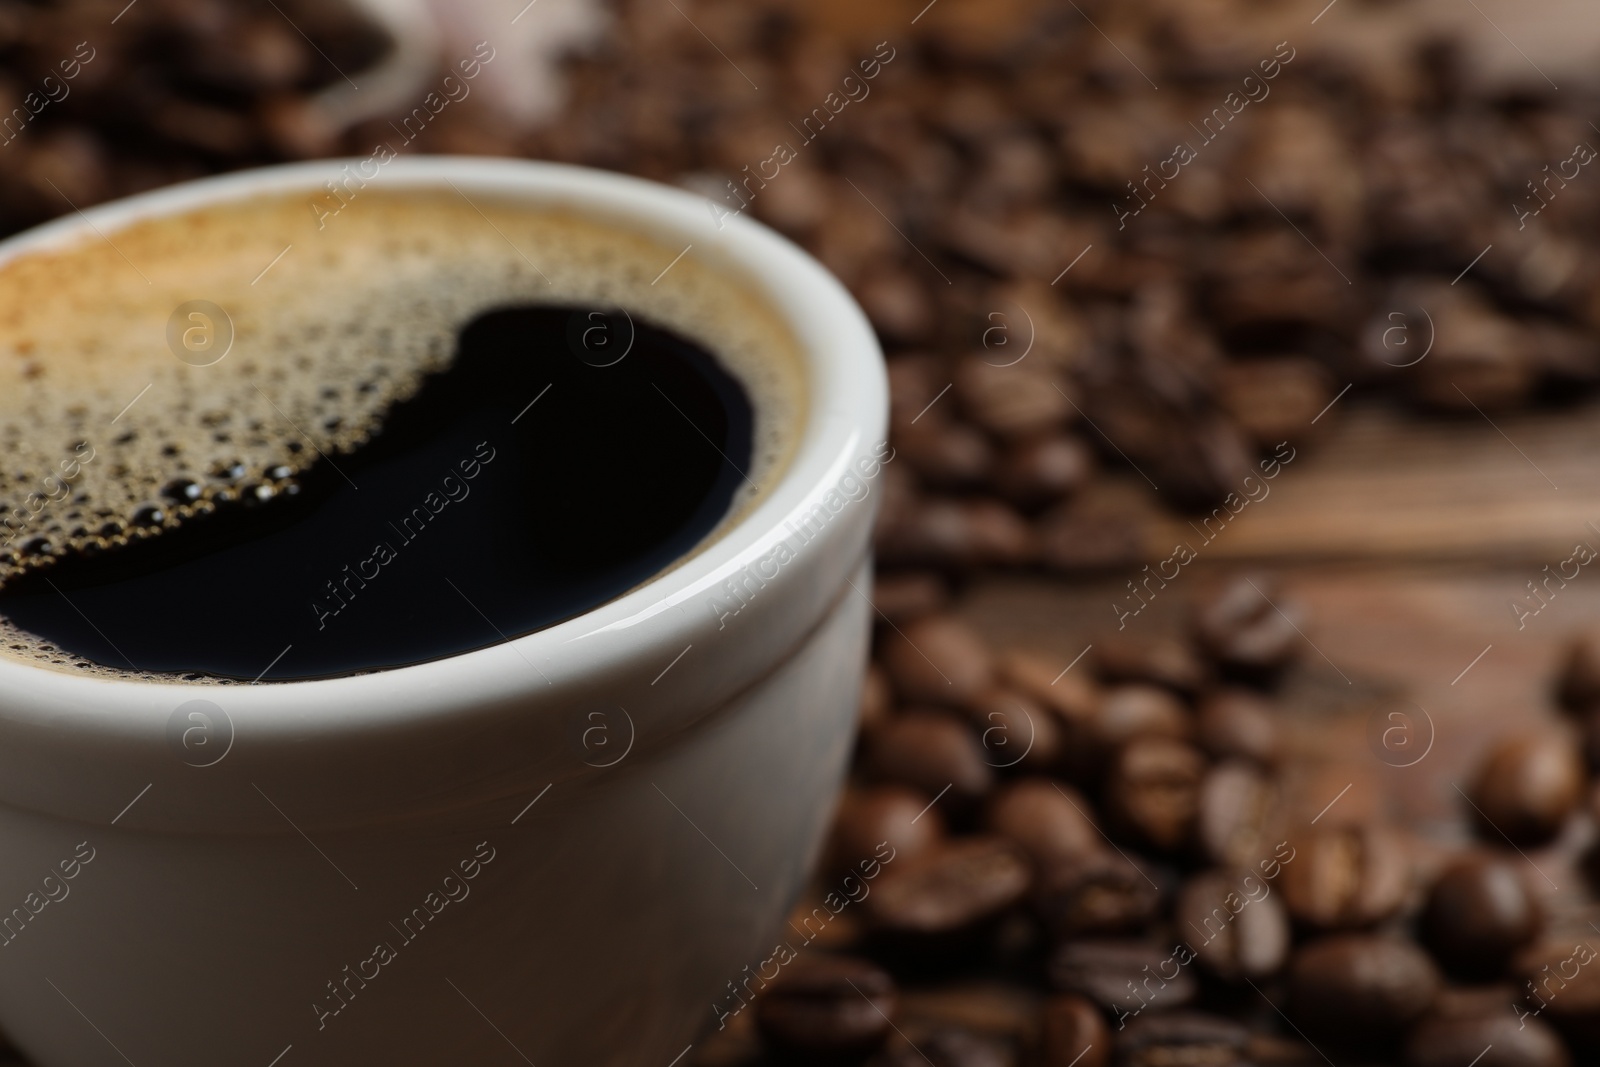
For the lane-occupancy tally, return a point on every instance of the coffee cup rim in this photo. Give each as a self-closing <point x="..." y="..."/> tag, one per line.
<point x="845" y="417"/>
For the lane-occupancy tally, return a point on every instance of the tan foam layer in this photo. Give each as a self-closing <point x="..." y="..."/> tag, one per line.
<point x="359" y="307"/>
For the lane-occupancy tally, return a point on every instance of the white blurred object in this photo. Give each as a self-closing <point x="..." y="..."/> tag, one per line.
<point x="523" y="83"/>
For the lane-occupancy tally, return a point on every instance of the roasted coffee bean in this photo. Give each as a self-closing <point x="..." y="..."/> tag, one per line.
<point x="1016" y="733"/>
<point x="1480" y="358"/>
<point x="1579" y="685"/>
<point x="932" y="751"/>
<point x="1356" y="988"/>
<point x="962" y="534"/>
<point x="1189" y="1038"/>
<point x="1238" y="723"/>
<point x="1075" y="1034"/>
<point x="1235" y="923"/>
<point x="1478" y="913"/>
<point x="1014" y="401"/>
<point x="1241" y="814"/>
<point x="998" y="1008"/>
<point x="1273" y="400"/>
<point x="1104" y="893"/>
<point x="1128" y="712"/>
<point x="1042" y="470"/>
<point x="908" y="595"/>
<point x="1527" y="786"/>
<point x="1202" y="463"/>
<point x="1250" y="626"/>
<point x="1049" y="820"/>
<point x="1158" y="661"/>
<point x="1345" y="877"/>
<point x="870" y="817"/>
<point x="1153" y="791"/>
<point x="915" y="383"/>
<point x="950" y="888"/>
<point x="1076" y="539"/>
<point x="946" y="454"/>
<point x="827" y="1004"/>
<point x="897" y="303"/>
<point x="1495" y="1037"/>
<point x="875" y="698"/>
<point x="948" y="1047"/>
<point x="1125" y="978"/>
<point x="939" y="659"/>
<point x="1070" y="694"/>
<point x="1558" y="980"/>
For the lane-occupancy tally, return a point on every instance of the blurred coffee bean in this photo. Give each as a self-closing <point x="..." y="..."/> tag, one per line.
<point x="1075" y="1034"/>
<point x="916" y="382"/>
<point x="1125" y="977"/>
<point x="1075" y="539"/>
<point x="1273" y="400"/>
<point x="948" y="1047"/>
<point x="1345" y="877"/>
<point x="961" y="534"/>
<point x="1070" y="694"/>
<point x="1235" y="923"/>
<point x="904" y="596"/>
<point x="827" y="1004"/>
<point x="1478" y="913"/>
<point x="1579" y="684"/>
<point x="1153" y="791"/>
<point x="932" y="751"/>
<point x="1158" y="661"/>
<point x="1558" y="980"/>
<point x="1104" y="893"/>
<point x="1016" y="733"/>
<point x="1200" y="464"/>
<point x="898" y="305"/>
<point x="950" y="888"/>
<point x="946" y="454"/>
<point x="1000" y="536"/>
<point x="876" y="700"/>
<point x="939" y="659"/>
<point x="1479" y="356"/>
<point x="1042" y="470"/>
<point x="1014" y="401"/>
<point x="1527" y="786"/>
<point x="1250" y="626"/>
<point x="1132" y="711"/>
<point x="1241" y="814"/>
<point x="1497" y="1038"/>
<point x="899" y="499"/>
<point x="1049" y="820"/>
<point x="1359" y="988"/>
<point x="1182" y="1037"/>
<point x="871" y="816"/>
<point x="1236" y="723"/>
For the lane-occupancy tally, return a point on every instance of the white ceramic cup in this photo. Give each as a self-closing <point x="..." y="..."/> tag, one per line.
<point x="546" y="894"/>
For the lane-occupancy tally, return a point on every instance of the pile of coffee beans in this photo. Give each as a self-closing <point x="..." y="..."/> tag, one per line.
<point x="1096" y="865"/>
<point x="1056" y="348"/>
<point x="103" y="98"/>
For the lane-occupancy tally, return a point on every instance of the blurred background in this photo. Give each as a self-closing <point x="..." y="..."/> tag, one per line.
<point x="1243" y="353"/>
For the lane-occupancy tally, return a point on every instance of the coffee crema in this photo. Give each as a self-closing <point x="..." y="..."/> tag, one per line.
<point x="602" y="444"/>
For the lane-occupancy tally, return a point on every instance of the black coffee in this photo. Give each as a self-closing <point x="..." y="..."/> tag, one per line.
<point x="566" y="455"/>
